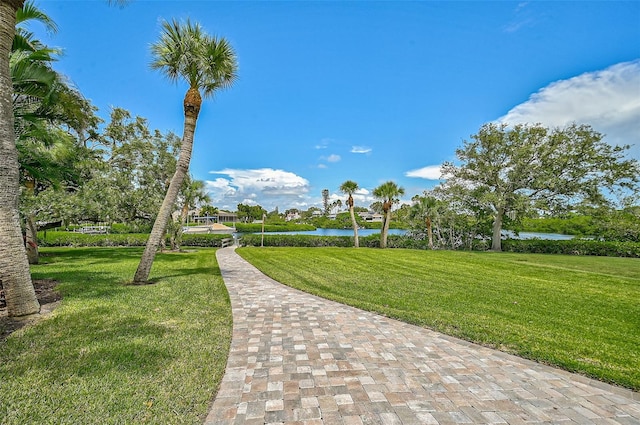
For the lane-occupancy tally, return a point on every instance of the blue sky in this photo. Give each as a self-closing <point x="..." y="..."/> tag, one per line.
<point x="364" y="91"/>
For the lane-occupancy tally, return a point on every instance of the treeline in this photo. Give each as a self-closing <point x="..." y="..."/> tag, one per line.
<point x="602" y="224"/>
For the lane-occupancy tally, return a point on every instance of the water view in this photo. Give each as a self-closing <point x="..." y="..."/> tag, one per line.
<point x="338" y="232"/>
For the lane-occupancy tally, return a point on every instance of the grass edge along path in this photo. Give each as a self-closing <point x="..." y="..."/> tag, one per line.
<point x="118" y="353"/>
<point x="577" y="313"/>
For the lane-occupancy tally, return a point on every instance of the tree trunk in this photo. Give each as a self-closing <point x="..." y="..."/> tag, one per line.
<point x="14" y="267"/>
<point x="496" y="239"/>
<point x="185" y="213"/>
<point x="429" y="233"/>
<point x="354" y="223"/>
<point x="31" y="241"/>
<point x="182" y="168"/>
<point x="385" y="229"/>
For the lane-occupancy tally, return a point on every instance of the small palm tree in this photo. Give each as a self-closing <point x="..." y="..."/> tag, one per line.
<point x="389" y="193"/>
<point x="207" y="64"/>
<point x="349" y="187"/>
<point x="192" y="193"/>
<point x="425" y="208"/>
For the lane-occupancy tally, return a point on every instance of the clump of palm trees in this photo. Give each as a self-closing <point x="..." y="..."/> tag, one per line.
<point x="388" y="193"/>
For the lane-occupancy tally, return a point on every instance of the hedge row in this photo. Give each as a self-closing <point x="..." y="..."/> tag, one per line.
<point x="573" y="247"/>
<point x="372" y="241"/>
<point x="533" y="246"/>
<point x="72" y="239"/>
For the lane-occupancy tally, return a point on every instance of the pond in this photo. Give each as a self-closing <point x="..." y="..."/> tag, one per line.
<point x="338" y="232"/>
<point x="533" y="235"/>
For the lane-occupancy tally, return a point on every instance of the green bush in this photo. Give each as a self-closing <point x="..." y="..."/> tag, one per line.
<point x="255" y="239"/>
<point x="573" y="247"/>
<point x="131" y="228"/>
<point x="372" y="241"/>
<point x="73" y="239"/>
<point x="203" y="240"/>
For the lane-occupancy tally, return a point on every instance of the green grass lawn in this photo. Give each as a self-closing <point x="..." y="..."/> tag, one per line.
<point x="579" y="313"/>
<point x="118" y="353"/>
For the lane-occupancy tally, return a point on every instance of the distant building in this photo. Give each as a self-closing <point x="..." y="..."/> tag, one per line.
<point x="292" y="216"/>
<point x="371" y="217"/>
<point x="221" y="217"/>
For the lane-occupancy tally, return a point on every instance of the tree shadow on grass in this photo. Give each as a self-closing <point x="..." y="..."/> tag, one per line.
<point x="92" y="342"/>
<point x="210" y="271"/>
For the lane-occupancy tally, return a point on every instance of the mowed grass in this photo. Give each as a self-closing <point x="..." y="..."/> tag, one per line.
<point x="579" y="313"/>
<point x="118" y="353"/>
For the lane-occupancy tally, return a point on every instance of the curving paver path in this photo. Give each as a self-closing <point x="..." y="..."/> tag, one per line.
<point x="299" y="359"/>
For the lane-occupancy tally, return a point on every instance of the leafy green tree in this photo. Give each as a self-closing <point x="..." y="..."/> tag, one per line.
<point x="130" y="183"/>
<point x="514" y="169"/>
<point x="249" y="213"/>
<point x="376" y="207"/>
<point x="349" y="187"/>
<point x="389" y="194"/>
<point x="207" y="64"/>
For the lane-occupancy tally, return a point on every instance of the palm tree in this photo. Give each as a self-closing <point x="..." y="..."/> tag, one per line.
<point x="349" y="187"/>
<point x="207" y="64"/>
<point x="192" y="194"/>
<point x="14" y="266"/>
<point x="41" y="100"/>
<point x="425" y="208"/>
<point x="389" y="193"/>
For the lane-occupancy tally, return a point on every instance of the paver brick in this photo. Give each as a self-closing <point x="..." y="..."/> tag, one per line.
<point x="297" y="359"/>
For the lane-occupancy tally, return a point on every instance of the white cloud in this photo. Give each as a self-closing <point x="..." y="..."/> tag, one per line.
<point x="362" y="197"/>
<point x="322" y="166"/>
<point x="360" y="149"/>
<point x="324" y="143"/>
<point x="522" y="18"/>
<point x="430" y="172"/>
<point x="265" y="186"/>
<point x="333" y="158"/>
<point x="608" y="100"/>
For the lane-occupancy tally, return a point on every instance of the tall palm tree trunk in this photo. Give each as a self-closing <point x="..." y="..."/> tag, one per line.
<point x="355" y="226"/>
<point x="191" y="110"/>
<point x="386" y="209"/>
<point x="14" y="267"/>
<point x="385" y="228"/>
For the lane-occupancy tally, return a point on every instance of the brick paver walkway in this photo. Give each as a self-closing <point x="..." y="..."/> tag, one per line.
<point x="299" y="359"/>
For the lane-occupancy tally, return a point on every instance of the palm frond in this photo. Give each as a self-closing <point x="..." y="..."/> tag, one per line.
<point x="186" y="51"/>
<point x="29" y="12"/>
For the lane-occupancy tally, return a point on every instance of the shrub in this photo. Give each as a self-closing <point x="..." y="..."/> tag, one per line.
<point x="573" y="247"/>
<point x="131" y="227"/>
<point x="203" y="240"/>
<point x="73" y="239"/>
<point x="296" y="240"/>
